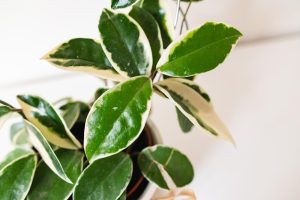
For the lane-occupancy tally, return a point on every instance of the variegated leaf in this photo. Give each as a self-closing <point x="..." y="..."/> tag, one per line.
<point x="13" y="156"/>
<point x="45" y="117"/>
<point x="195" y="105"/>
<point x="125" y="44"/>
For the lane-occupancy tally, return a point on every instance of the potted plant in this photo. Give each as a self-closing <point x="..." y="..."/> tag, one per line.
<point x="107" y="149"/>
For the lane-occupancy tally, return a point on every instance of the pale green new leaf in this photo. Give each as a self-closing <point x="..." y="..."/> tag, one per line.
<point x="18" y="133"/>
<point x="159" y="10"/>
<point x="42" y="146"/>
<point x="70" y="113"/>
<point x="151" y="29"/>
<point x="13" y="156"/>
<point x="83" y="55"/>
<point x="194" y="105"/>
<point x="104" y="179"/>
<point x="115" y="4"/>
<point x="16" y="178"/>
<point x="125" y="44"/>
<point x="117" y="118"/>
<point x="47" y="186"/>
<point x="198" y="51"/>
<point x="166" y="167"/>
<point x="45" y="117"/>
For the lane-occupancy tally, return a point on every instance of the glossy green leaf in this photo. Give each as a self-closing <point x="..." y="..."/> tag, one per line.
<point x="44" y="116"/>
<point x="125" y="44"/>
<point x="16" y="178"/>
<point x="47" y="186"/>
<point x="165" y="166"/>
<point x="18" y="133"/>
<point x="200" y="50"/>
<point x="194" y="105"/>
<point x="70" y="113"/>
<point x="185" y="124"/>
<point x="151" y="29"/>
<point x="122" y="3"/>
<point x="117" y="118"/>
<point x="13" y="156"/>
<point x="158" y="9"/>
<point x="104" y="179"/>
<point x="5" y="112"/>
<point x="83" y="110"/>
<point x="123" y="196"/>
<point x="83" y="55"/>
<point x="42" y="146"/>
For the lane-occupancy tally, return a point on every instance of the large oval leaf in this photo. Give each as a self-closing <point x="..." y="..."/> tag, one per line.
<point x="104" y="179"/>
<point x="16" y="178"/>
<point x="44" y="116"/>
<point x="13" y="156"/>
<point x="165" y="166"/>
<point x="125" y="44"/>
<point x="200" y="50"/>
<point x="158" y="9"/>
<point x="121" y="3"/>
<point x="47" y="186"/>
<point x="117" y="118"/>
<point x="151" y="29"/>
<point x="194" y="105"/>
<point x="83" y="55"/>
<point x="42" y="146"/>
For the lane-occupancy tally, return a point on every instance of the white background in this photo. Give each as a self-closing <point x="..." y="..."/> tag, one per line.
<point x="256" y="91"/>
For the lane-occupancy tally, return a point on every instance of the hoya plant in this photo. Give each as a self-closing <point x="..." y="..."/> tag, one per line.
<point x="105" y="148"/>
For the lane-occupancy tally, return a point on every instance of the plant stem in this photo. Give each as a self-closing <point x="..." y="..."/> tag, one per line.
<point x="184" y="17"/>
<point x="177" y="13"/>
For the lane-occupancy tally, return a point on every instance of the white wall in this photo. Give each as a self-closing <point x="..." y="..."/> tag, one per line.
<point x="256" y="91"/>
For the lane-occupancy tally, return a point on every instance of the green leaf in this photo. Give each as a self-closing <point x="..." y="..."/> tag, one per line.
<point x="151" y="29"/>
<point x="165" y="166"/>
<point x="99" y="92"/>
<point x="104" y="179"/>
<point x="47" y="186"/>
<point x="200" y="50"/>
<point x="70" y="113"/>
<point x="123" y="196"/>
<point x="194" y="105"/>
<point x="117" y="118"/>
<point x="44" y="116"/>
<point x="5" y="112"/>
<point x="83" y="55"/>
<point x="121" y="3"/>
<point x="125" y="44"/>
<point x="158" y="10"/>
<point x="185" y="124"/>
<point x="13" y="156"/>
<point x="18" y="134"/>
<point x="16" y="178"/>
<point x="42" y="146"/>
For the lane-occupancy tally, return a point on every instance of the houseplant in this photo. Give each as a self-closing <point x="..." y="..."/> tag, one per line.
<point x="89" y="150"/>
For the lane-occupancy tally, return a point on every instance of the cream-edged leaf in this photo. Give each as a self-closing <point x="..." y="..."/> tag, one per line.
<point x="14" y="155"/>
<point x="117" y="118"/>
<point x="116" y="4"/>
<point x="194" y="106"/>
<point x="45" y="117"/>
<point x="43" y="147"/>
<point x="18" y="133"/>
<point x="200" y="50"/>
<point x="125" y="44"/>
<point x="83" y="55"/>
<point x="16" y="178"/>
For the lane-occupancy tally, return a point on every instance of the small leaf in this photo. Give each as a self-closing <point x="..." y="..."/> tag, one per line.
<point x="105" y="178"/>
<point x="47" y="186"/>
<point x="40" y="143"/>
<point x="194" y="105"/>
<point x="158" y="8"/>
<point x="18" y="134"/>
<point x="5" y="112"/>
<point x="117" y="118"/>
<point x="165" y="166"/>
<point x="13" y="156"/>
<point x="99" y="92"/>
<point x="44" y="116"/>
<point x="71" y="112"/>
<point x="125" y="44"/>
<point x="83" y="55"/>
<point x="200" y="50"/>
<point x="185" y="124"/>
<point x="16" y="178"/>
<point x="121" y="3"/>
<point x="151" y="29"/>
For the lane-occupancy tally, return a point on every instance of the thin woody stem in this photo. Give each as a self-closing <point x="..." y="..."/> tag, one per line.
<point x="184" y="20"/>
